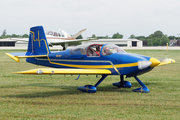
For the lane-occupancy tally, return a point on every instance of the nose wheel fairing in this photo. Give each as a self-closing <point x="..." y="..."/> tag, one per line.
<point x="143" y="89"/>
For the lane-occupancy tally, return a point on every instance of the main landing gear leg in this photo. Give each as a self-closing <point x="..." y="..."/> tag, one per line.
<point x="122" y="84"/>
<point x="143" y="89"/>
<point x="91" y="88"/>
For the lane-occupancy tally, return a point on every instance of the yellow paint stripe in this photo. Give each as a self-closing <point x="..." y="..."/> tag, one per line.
<point x="31" y="56"/>
<point x="127" y="65"/>
<point x="84" y="66"/>
<point x="40" y="41"/>
<point x="98" y="66"/>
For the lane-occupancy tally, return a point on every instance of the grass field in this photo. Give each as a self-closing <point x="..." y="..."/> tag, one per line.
<point x="57" y="97"/>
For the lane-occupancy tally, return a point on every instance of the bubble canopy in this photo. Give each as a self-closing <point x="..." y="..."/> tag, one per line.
<point x="109" y="49"/>
<point x="92" y="49"/>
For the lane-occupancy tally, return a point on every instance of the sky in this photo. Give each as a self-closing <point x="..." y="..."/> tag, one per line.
<point x="99" y="17"/>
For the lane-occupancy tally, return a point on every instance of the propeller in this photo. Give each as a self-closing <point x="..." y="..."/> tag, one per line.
<point x="165" y="60"/>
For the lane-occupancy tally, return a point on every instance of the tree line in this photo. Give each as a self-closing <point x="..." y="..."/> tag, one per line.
<point x="5" y="35"/>
<point x="115" y="36"/>
<point x="155" y="39"/>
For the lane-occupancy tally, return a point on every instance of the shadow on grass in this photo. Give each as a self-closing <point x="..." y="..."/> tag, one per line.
<point x="136" y="84"/>
<point x="63" y="90"/>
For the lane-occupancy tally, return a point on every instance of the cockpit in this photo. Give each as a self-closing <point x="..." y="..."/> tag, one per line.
<point x="95" y="50"/>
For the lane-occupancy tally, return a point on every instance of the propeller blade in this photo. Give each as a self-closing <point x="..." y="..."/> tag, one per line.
<point x="164" y="61"/>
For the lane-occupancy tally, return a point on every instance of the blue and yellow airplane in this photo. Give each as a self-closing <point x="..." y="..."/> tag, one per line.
<point x="90" y="59"/>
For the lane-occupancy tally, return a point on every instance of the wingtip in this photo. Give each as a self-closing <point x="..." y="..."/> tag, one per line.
<point x="33" y="71"/>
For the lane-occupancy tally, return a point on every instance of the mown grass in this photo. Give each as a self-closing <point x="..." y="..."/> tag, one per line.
<point x="57" y="97"/>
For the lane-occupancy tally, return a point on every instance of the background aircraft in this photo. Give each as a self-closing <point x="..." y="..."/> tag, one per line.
<point x="92" y="59"/>
<point x="58" y="38"/>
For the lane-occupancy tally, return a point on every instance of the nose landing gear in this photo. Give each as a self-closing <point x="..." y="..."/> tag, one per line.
<point x="122" y="83"/>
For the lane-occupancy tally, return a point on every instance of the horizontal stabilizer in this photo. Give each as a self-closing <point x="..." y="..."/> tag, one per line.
<point x="66" y="71"/>
<point x="16" y="56"/>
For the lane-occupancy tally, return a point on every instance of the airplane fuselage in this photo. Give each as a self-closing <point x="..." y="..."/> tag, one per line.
<point x="117" y="63"/>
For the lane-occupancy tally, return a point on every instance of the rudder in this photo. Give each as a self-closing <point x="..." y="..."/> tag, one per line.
<point x="37" y="41"/>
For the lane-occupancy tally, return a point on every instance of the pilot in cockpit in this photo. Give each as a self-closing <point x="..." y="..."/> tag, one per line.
<point x="106" y="51"/>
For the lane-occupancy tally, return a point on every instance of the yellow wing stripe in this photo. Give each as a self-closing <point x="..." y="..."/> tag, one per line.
<point x="66" y="71"/>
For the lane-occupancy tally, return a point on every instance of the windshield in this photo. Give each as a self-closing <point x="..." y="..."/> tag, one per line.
<point x="49" y="33"/>
<point x="56" y="34"/>
<point x="110" y="49"/>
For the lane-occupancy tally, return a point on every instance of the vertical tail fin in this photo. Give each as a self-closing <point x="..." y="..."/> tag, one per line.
<point x="79" y="33"/>
<point x="37" y="41"/>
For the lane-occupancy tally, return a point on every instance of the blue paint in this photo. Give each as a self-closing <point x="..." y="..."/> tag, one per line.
<point x="127" y="84"/>
<point x="87" y="88"/>
<point x="102" y="78"/>
<point x="141" y="89"/>
<point x="77" y="77"/>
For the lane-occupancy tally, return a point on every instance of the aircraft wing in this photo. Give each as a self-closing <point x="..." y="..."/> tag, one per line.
<point x="59" y="42"/>
<point x="20" y="39"/>
<point x="50" y="71"/>
<point x="53" y="41"/>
